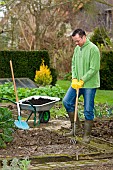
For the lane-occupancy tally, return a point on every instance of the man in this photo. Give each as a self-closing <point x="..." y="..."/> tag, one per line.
<point x="85" y="77"/>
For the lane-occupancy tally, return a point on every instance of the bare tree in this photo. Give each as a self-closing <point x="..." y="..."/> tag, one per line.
<point x="42" y="24"/>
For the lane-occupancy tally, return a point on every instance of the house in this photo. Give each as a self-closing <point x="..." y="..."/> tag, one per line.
<point x="93" y="15"/>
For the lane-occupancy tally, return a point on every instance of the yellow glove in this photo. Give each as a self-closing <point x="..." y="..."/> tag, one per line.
<point x="77" y="84"/>
<point x="74" y="83"/>
<point x="80" y="84"/>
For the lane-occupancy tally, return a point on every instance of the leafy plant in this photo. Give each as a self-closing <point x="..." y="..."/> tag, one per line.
<point x="24" y="164"/>
<point x="6" y="127"/>
<point x="54" y="91"/>
<point x="59" y="90"/>
<point x="16" y="164"/>
<point x="7" y="90"/>
<point x="58" y="111"/>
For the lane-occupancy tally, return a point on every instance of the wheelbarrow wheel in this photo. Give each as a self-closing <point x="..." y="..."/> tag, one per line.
<point x="44" y="116"/>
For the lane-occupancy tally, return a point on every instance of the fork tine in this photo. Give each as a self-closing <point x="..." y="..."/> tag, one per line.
<point x="73" y="141"/>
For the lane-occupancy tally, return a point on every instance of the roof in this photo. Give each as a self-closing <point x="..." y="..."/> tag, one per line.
<point x="20" y="82"/>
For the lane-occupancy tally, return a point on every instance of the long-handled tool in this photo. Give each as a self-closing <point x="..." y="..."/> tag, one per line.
<point x="76" y="108"/>
<point x="20" y="124"/>
<point x="73" y="140"/>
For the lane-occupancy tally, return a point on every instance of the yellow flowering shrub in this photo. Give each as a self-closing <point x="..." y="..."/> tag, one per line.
<point x="43" y="76"/>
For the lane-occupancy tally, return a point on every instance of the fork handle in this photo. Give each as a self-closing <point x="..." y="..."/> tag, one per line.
<point x="76" y="105"/>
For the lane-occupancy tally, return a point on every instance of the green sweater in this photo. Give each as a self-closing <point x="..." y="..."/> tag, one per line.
<point x="86" y="64"/>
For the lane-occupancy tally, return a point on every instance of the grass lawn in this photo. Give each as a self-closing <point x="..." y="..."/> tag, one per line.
<point x="102" y="96"/>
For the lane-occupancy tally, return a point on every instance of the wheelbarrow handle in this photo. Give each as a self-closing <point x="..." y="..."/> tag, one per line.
<point x="8" y="100"/>
<point x="32" y="105"/>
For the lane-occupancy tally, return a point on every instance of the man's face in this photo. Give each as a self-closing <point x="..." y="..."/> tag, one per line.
<point x="78" y="40"/>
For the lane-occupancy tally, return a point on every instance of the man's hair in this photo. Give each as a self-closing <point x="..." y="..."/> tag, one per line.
<point x="80" y="32"/>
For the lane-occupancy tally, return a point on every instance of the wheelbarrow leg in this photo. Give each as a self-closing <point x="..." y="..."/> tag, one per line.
<point x="29" y="116"/>
<point x="34" y="111"/>
<point x="34" y="117"/>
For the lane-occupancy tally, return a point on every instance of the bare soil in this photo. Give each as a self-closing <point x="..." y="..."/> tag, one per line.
<point x="48" y="139"/>
<point x="39" y="101"/>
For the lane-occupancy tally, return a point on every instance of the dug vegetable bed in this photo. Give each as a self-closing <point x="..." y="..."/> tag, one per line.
<point x="48" y="139"/>
<point x="46" y="142"/>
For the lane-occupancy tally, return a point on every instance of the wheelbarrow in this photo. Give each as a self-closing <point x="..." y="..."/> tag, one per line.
<point x="37" y="104"/>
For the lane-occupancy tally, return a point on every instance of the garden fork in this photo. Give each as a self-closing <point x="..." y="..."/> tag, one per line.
<point x="75" y="117"/>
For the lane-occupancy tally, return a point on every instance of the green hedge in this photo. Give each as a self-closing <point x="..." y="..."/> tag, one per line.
<point x="106" y="71"/>
<point x="25" y="64"/>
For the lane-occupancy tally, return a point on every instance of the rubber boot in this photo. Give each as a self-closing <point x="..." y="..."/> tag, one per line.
<point x="87" y="131"/>
<point x="71" y="117"/>
<point x="77" y="124"/>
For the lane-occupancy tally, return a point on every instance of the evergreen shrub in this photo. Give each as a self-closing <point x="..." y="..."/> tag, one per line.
<point x="43" y="76"/>
<point x="106" y="71"/>
<point x="101" y="37"/>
